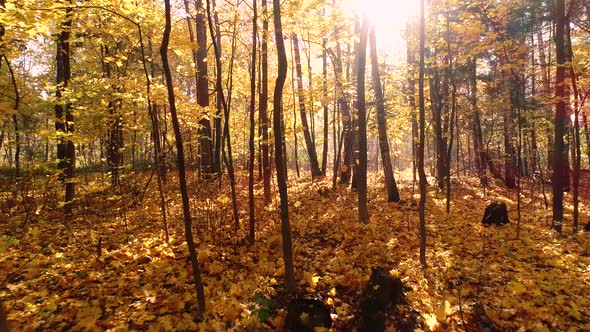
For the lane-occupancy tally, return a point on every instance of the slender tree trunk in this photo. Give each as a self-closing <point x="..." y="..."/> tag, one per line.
<point x="451" y="78"/>
<point x="437" y="106"/>
<point x="220" y="96"/>
<point x="559" y="178"/>
<point x="64" y="124"/>
<point x="343" y="105"/>
<point x="311" y="151"/>
<point x="421" y="122"/>
<point x="263" y="108"/>
<point x="281" y="170"/>
<point x="346" y="177"/>
<point x="362" y="120"/>
<point x="576" y="150"/>
<point x="252" y="122"/>
<point x="217" y="127"/>
<point x="325" y="107"/>
<point x="295" y="141"/>
<point x="587" y="135"/>
<point x="411" y="61"/>
<point x="181" y="168"/>
<point x="545" y="63"/>
<point x="17" y="142"/>
<point x="392" y="192"/>
<point x="205" y="136"/>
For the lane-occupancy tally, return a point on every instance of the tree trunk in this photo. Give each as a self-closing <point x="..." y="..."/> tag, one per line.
<point x="295" y="141"/>
<point x="576" y="149"/>
<point x="3" y="319"/>
<point x="252" y="122"/>
<point x="509" y="151"/>
<point x="325" y="107"/>
<point x="217" y="127"/>
<point x="64" y="124"/>
<point x="362" y="121"/>
<point x="392" y="192"/>
<point x="202" y="82"/>
<point x="181" y="168"/>
<point x="281" y="170"/>
<point x="263" y="108"/>
<point x="14" y="116"/>
<point x="311" y="151"/>
<point x="421" y="123"/>
<point x="437" y="106"/>
<point x="560" y="179"/>
<point x="220" y="96"/>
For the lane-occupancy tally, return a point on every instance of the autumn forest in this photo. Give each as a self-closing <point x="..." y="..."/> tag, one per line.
<point x="295" y="165"/>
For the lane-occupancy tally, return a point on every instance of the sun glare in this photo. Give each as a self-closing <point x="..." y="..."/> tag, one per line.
<point x="389" y="18"/>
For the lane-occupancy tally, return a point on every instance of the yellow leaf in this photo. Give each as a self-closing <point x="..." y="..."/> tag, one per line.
<point x="430" y="320"/>
<point x="394" y="273"/>
<point x="311" y="279"/>
<point x="332" y="292"/>
<point x="443" y="310"/>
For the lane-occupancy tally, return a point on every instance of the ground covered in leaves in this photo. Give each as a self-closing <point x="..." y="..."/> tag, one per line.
<point x="108" y="267"/>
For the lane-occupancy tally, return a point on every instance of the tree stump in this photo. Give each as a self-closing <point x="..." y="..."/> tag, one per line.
<point x="382" y="292"/>
<point x="3" y="319"/>
<point x="496" y="213"/>
<point x="305" y="314"/>
<point x="482" y="320"/>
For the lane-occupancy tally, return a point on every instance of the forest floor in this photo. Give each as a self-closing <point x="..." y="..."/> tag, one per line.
<point x="109" y="268"/>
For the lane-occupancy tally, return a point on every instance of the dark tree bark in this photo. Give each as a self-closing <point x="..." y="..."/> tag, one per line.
<point x="421" y="124"/>
<point x="392" y="192"/>
<point x="478" y="147"/>
<point x="263" y="108"/>
<point x="252" y="122"/>
<point x="3" y="319"/>
<point x="453" y="106"/>
<point x="509" y="150"/>
<point x="559" y="178"/>
<point x="438" y="98"/>
<point x="205" y="135"/>
<point x="545" y="64"/>
<point x="115" y="122"/>
<point x="411" y="61"/>
<point x="311" y="151"/>
<point x="362" y="121"/>
<point x="576" y="149"/>
<point x="217" y="127"/>
<point x="181" y="167"/>
<point x="64" y="122"/>
<point x="325" y="107"/>
<point x="278" y="133"/>
<point x="295" y="140"/>
<point x="344" y="106"/>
